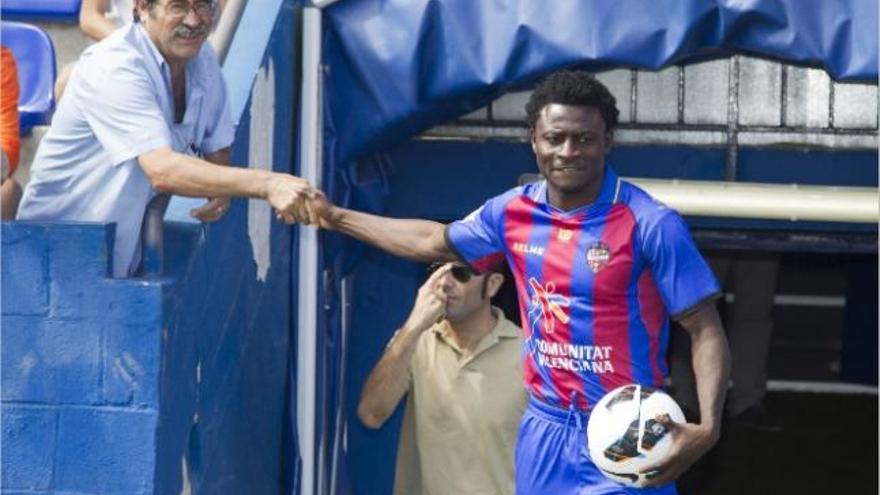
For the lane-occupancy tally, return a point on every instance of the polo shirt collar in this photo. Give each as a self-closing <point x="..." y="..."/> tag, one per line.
<point x="500" y="331"/>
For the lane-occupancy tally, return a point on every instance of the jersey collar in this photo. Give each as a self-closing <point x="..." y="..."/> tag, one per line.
<point x="609" y="191"/>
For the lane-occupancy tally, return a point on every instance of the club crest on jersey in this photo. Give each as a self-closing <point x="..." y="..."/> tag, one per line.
<point x="598" y="255"/>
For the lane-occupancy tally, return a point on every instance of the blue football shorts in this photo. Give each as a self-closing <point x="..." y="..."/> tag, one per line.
<point x="552" y="456"/>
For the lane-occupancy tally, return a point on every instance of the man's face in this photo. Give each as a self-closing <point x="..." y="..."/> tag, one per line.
<point x="177" y="27"/>
<point x="464" y="292"/>
<point x="570" y="144"/>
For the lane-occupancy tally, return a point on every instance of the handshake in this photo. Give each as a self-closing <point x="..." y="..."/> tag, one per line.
<point x="294" y="200"/>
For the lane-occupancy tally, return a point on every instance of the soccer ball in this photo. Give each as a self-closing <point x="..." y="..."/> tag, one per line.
<point x="623" y="435"/>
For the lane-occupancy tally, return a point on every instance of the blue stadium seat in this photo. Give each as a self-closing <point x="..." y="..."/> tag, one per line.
<point x="41" y="10"/>
<point x="35" y="57"/>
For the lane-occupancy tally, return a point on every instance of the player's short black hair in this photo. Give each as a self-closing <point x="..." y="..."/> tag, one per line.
<point x="573" y="87"/>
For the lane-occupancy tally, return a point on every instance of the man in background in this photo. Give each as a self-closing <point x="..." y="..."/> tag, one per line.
<point x="457" y="358"/>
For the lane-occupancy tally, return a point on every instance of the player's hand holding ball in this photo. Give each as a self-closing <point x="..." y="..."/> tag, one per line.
<point x="638" y="436"/>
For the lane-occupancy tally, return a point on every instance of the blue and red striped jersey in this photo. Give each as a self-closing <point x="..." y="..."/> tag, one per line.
<point x="596" y="285"/>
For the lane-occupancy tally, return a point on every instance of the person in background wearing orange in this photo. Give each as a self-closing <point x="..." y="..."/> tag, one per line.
<point x="10" y="190"/>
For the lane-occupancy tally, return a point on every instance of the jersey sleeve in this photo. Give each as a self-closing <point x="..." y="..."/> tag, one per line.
<point x="682" y="276"/>
<point x="478" y="239"/>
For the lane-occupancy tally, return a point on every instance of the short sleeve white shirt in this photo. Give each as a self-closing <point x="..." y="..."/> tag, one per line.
<point x="117" y="106"/>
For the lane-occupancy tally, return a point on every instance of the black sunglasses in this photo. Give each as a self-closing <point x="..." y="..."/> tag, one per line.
<point x="462" y="273"/>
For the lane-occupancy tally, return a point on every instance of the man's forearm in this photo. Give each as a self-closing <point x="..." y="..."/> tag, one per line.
<point x="419" y="240"/>
<point x="711" y="363"/>
<point x="176" y="173"/>
<point x="389" y="380"/>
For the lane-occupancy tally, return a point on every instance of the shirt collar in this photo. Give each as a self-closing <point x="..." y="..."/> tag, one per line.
<point x="192" y="75"/>
<point x="608" y="191"/>
<point x="145" y="40"/>
<point x="500" y="331"/>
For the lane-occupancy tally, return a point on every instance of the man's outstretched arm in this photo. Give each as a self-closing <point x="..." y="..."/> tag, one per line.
<point x="414" y="239"/>
<point x="175" y="173"/>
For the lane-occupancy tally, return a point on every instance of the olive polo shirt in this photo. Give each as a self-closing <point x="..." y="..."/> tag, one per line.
<point x="462" y="414"/>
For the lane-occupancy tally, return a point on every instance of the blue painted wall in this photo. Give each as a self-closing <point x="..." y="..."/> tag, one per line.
<point x="134" y="386"/>
<point x="80" y="364"/>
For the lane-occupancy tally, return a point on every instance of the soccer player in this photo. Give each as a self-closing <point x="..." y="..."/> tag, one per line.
<point x="599" y="267"/>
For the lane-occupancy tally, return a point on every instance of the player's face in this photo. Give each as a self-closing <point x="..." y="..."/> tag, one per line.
<point x="178" y="27"/>
<point x="570" y="144"/>
<point x="464" y="292"/>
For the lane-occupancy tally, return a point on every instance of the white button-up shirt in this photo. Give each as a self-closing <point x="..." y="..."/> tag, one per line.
<point x="117" y="106"/>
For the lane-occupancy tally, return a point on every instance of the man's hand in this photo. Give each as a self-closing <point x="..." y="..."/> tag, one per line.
<point x="211" y="211"/>
<point x="689" y="443"/>
<point x="288" y="196"/>
<point x="430" y="305"/>
<point x="321" y="207"/>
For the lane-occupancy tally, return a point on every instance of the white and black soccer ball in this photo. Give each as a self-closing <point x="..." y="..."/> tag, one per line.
<point x="623" y="435"/>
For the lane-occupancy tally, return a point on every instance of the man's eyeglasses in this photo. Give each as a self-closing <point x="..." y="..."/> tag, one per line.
<point x="461" y="273"/>
<point x="179" y="9"/>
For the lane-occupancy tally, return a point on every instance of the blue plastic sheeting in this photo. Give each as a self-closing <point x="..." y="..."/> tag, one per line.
<point x="42" y="10"/>
<point x="397" y="67"/>
<point x="35" y="60"/>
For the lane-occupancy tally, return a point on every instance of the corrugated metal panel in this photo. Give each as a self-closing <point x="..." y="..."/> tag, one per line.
<point x="657" y="96"/>
<point x="760" y="92"/>
<point x="808" y="139"/>
<point x="619" y="82"/>
<point x="855" y="106"/>
<point x="706" y="92"/>
<point x="775" y="104"/>
<point x="511" y="107"/>
<point x="807" y="102"/>
<point x="478" y="115"/>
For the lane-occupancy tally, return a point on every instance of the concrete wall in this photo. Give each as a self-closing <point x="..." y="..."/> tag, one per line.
<point x="80" y="364"/>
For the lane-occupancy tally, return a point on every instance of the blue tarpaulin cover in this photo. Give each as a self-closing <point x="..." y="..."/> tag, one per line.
<point x="397" y="67"/>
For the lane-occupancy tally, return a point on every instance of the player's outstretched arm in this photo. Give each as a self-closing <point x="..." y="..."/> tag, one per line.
<point x="418" y="240"/>
<point x="390" y="379"/>
<point x="711" y="362"/>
